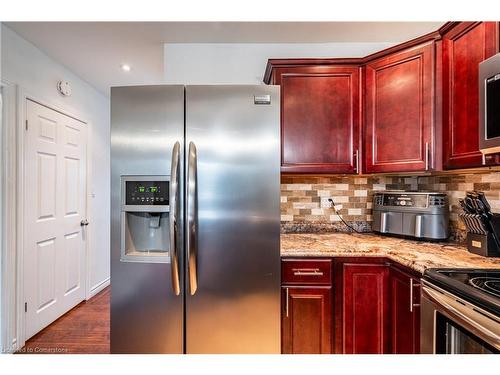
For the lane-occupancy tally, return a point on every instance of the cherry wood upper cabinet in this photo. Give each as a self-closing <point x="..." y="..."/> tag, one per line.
<point x="364" y="293"/>
<point x="404" y="312"/>
<point x="320" y="118"/>
<point x="465" y="45"/>
<point x="399" y="111"/>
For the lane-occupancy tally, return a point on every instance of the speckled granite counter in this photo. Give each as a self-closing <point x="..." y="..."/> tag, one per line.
<point x="414" y="254"/>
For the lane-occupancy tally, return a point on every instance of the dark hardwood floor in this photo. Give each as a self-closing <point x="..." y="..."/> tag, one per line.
<point x="84" y="329"/>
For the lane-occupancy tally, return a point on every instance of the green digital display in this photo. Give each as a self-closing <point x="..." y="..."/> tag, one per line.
<point x="146" y="193"/>
<point x="148" y="189"/>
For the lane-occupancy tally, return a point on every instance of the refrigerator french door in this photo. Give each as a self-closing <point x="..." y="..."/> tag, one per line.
<point x="195" y="264"/>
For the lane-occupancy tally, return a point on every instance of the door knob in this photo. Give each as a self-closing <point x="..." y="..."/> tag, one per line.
<point x="84" y="223"/>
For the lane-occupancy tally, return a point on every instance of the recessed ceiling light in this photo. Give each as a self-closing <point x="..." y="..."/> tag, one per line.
<point x="126" y="67"/>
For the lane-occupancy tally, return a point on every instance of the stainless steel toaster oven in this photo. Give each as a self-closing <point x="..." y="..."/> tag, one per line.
<point x="420" y="215"/>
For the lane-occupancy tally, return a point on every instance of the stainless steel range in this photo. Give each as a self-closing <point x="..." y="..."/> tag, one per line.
<point x="421" y="215"/>
<point x="460" y="311"/>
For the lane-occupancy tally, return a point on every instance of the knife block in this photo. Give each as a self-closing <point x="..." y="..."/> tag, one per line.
<point x="483" y="245"/>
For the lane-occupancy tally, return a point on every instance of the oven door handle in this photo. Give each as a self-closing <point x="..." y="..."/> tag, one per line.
<point x="460" y="311"/>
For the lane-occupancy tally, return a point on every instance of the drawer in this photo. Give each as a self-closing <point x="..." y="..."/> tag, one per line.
<point x="306" y="271"/>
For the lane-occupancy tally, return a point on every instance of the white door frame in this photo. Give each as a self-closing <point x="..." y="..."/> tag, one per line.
<point x="19" y="194"/>
<point x="9" y="326"/>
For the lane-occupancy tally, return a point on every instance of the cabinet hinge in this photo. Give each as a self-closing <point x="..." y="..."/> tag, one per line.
<point x="25" y="306"/>
<point x="26" y="124"/>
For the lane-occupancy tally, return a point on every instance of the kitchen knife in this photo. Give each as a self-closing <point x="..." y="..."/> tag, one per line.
<point x="484" y="201"/>
<point x="462" y="204"/>
<point x="469" y="204"/>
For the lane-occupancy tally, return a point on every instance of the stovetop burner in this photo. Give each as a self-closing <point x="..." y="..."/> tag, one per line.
<point x="480" y="287"/>
<point x="488" y="284"/>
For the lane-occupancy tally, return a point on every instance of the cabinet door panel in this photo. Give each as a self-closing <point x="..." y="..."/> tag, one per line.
<point x="320" y="121"/>
<point x="399" y="111"/>
<point x="365" y="315"/>
<point x="306" y="320"/>
<point x="464" y="47"/>
<point x="405" y="319"/>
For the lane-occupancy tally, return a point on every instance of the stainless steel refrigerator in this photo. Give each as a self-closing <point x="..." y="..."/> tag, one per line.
<point x="195" y="196"/>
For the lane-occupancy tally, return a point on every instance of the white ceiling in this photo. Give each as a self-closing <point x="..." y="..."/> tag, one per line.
<point x="95" y="50"/>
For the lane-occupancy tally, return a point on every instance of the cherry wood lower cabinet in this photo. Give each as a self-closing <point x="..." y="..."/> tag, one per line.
<point x="349" y="305"/>
<point x="404" y="312"/>
<point x="372" y="307"/>
<point x="362" y="296"/>
<point x="306" y="322"/>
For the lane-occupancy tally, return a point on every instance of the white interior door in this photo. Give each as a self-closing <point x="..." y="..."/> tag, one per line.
<point x="54" y="207"/>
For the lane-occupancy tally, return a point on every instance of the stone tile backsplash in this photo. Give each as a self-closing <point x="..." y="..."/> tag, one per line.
<point x="305" y="206"/>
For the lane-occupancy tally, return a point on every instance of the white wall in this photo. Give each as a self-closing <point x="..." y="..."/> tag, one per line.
<point x="36" y="73"/>
<point x="244" y="63"/>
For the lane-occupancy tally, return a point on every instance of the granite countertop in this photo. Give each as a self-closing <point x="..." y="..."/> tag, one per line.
<point x="414" y="254"/>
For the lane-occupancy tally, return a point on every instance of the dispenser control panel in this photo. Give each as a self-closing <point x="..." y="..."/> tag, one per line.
<point x="148" y="193"/>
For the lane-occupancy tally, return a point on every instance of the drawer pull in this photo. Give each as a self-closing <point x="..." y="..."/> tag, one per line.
<point x="307" y="272"/>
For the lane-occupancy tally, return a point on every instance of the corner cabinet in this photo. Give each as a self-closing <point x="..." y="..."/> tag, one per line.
<point x="399" y="116"/>
<point x="306" y="318"/>
<point x="464" y="46"/>
<point x="320" y="117"/>
<point x="363" y="299"/>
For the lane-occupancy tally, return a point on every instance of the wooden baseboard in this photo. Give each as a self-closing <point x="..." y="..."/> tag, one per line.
<point x="98" y="287"/>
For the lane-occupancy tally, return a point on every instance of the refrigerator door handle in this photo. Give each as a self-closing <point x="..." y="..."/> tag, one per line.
<point x="174" y="214"/>
<point x="192" y="218"/>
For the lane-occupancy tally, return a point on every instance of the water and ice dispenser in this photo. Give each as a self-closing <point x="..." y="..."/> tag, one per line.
<point x="145" y="219"/>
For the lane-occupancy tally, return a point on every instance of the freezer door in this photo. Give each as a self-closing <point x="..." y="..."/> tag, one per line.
<point x="232" y="219"/>
<point x="146" y="305"/>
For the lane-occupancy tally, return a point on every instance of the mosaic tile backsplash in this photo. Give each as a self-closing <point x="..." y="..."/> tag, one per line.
<point x="305" y="206"/>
